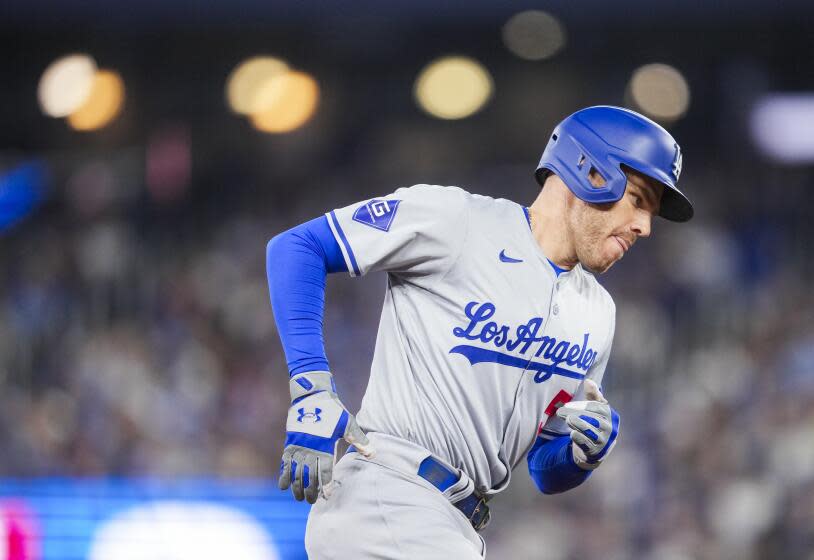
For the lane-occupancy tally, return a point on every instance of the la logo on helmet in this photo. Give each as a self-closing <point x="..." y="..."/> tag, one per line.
<point x="677" y="163"/>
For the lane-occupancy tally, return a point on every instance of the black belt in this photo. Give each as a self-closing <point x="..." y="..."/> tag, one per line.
<point x="436" y="473"/>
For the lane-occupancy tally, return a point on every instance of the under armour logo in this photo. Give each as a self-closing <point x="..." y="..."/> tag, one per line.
<point x="677" y="163"/>
<point x="309" y="417"/>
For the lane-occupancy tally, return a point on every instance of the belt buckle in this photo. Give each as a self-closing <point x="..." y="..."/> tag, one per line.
<point x="480" y="515"/>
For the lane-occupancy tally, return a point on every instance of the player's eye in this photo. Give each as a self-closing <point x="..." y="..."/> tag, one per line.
<point x="637" y="200"/>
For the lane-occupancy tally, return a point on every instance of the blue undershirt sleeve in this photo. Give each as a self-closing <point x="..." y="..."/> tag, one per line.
<point x="552" y="467"/>
<point x="297" y="263"/>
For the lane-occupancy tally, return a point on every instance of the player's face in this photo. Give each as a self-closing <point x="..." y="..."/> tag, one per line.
<point x="603" y="233"/>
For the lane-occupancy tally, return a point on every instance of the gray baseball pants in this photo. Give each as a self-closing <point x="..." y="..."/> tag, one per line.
<point x="380" y="508"/>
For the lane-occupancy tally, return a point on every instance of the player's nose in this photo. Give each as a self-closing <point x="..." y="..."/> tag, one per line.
<point x="641" y="224"/>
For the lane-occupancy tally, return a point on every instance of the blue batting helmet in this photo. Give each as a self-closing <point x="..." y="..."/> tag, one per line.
<point x="605" y="138"/>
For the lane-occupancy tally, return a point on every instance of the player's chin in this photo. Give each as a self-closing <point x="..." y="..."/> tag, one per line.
<point x="604" y="267"/>
<point x="606" y="259"/>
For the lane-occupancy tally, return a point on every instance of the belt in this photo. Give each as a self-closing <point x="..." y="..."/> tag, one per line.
<point x="473" y="506"/>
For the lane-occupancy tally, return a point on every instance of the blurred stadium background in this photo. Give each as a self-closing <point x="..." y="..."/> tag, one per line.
<point x="149" y="150"/>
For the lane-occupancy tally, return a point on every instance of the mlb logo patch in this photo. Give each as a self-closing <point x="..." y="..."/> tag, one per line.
<point x="377" y="214"/>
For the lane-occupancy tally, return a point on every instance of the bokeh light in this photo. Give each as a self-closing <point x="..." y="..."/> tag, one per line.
<point x="534" y="35"/>
<point x="453" y="87"/>
<point x="286" y="102"/>
<point x="248" y="79"/>
<point x="660" y="91"/>
<point x="174" y="529"/>
<point x="781" y="125"/>
<point x="102" y="105"/>
<point x="169" y="163"/>
<point x="66" y="84"/>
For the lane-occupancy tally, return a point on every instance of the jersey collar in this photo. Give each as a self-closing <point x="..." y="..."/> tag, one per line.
<point x="557" y="269"/>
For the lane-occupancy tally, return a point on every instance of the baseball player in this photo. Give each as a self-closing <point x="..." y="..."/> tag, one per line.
<point x="493" y="341"/>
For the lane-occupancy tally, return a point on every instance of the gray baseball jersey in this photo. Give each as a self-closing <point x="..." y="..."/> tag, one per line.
<point x="480" y="340"/>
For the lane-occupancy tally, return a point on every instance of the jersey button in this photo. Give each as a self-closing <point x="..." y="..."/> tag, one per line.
<point x="556" y="309"/>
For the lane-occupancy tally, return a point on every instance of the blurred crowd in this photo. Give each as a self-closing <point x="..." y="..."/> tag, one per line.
<point x="137" y="339"/>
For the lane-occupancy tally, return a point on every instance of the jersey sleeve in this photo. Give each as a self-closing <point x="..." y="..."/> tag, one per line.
<point x="416" y="231"/>
<point x="556" y="426"/>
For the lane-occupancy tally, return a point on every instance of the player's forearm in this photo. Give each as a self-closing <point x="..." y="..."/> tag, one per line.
<point x="297" y="263"/>
<point x="552" y="467"/>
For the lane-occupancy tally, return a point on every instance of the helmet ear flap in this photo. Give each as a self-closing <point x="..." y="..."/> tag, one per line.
<point x="572" y="155"/>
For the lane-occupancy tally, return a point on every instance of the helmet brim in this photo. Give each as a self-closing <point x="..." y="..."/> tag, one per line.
<point x="675" y="206"/>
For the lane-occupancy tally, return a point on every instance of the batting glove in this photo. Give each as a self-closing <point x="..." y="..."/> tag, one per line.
<point x="594" y="427"/>
<point x="317" y="420"/>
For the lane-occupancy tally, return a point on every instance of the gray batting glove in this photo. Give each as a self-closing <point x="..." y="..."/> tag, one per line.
<point x="594" y="427"/>
<point x="317" y="420"/>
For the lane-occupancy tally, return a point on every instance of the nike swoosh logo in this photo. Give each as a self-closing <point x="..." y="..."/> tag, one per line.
<point x="505" y="258"/>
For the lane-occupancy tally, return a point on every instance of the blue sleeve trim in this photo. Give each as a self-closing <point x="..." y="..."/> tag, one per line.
<point x="552" y="466"/>
<point x="343" y="240"/>
<point x="297" y="263"/>
<point x="323" y="238"/>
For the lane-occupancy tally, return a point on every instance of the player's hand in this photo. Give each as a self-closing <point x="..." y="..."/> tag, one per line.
<point x="317" y="420"/>
<point x="594" y="427"/>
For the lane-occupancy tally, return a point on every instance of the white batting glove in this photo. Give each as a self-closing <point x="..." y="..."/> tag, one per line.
<point x="594" y="427"/>
<point x="317" y="420"/>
